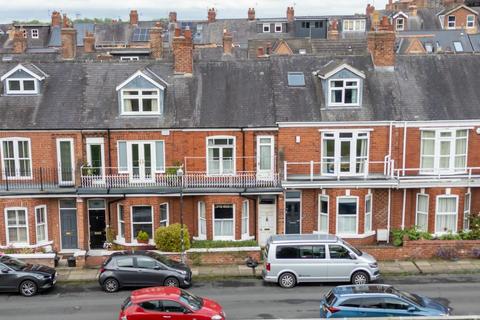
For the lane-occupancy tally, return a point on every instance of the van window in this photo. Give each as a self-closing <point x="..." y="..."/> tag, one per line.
<point x="301" y="252"/>
<point x="338" y="252"/>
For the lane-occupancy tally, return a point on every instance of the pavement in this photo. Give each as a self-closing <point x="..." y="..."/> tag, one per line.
<point x="390" y="268"/>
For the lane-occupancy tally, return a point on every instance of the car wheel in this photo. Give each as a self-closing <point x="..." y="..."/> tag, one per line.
<point x="360" y="277"/>
<point x="287" y="280"/>
<point x="111" y="285"/>
<point x="171" y="282"/>
<point x="28" y="288"/>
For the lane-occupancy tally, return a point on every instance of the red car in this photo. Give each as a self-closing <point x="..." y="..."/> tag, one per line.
<point x="170" y="303"/>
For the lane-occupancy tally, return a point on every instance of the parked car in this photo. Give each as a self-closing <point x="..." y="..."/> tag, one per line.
<point x="295" y="258"/>
<point x="142" y="269"/>
<point x="169" y="303"/>
<point x="377" y="301"/>
<point x="26" y="278"/>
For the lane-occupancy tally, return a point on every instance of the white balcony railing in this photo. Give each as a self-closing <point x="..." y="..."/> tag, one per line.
<point x="437" y="173"/>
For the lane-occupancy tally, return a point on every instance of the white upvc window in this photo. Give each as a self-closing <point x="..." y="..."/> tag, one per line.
<point x="140" y="101"/>
<point x="278" y="28"/>
<point x="470" y="21"/>
<point x="443" y="151"/>
<point x="421" y="216"/>
<point x="142" y="220"/>
<point x="400" y="24"/>
<point x="266" y="27"/>
<point x="223" y="222"/>
<point x="466" y="210"/>
<point x="221" y="155"/>
<point x="345" y="153"/>
<point x="245" y="220"/>
<point x="16" y="158"/>
<point x="121" y="221"/>
<point x="357" y="25"/>
<point x="41" y="227"/>
<point x="451" y="22"/>
<point x="344" y="93"/>
<point x="141" y="159"/>
<point x="446" y="214"/>
<point x="129" y="58"/>
<point x="21" y="86"/>
<point x="202" y="221"/>
<point x="347" y="215"/>
<point x="368" y="213"/>
<point x="323" y="213"/>
<point x="34" y="33"/>
<point x="164" y="215"/>
<point x="16" y="222"/>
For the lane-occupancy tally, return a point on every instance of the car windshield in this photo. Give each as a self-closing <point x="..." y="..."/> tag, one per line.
<point x="13" y="263"/>
<point x="412" y="297"/>
<point x="194" y="302"/>
<point x="163" y="259"/>
<point x="352" y="248"/>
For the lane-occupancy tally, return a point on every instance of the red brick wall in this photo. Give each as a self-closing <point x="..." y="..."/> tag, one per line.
<point x="461" y="20"/>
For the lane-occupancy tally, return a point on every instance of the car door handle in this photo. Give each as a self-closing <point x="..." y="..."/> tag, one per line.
<point x="167" y="317"/>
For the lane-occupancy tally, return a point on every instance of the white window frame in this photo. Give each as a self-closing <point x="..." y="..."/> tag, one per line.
<point x="166" y="222"/>
<point x="266" y="28"/>
<point x="278" y="27"/>
<point x="128" y="145"/>
<point x="7" y="227"/>
<point x="245" y="219"/>
<point x="343" y="88"/>
<point x="16" y="158"/>
<point x="368" y="214"/>
<point x="437" y="232"/>
<point x="72" y="161"/>
<point x="44" y="224"/>
<point x="221" y="147"/>
<point x="436" y="152"/>
<point x="470" y="21"/>
<point x="323" y="197"/>
<point x="129" y="58"/>
<point x="264" y="173"/>
<point x="337" y="153"/>
<point x="232" y="237"/>
<point x="400" y="26"/>
<point x="22" y="90"/>
<point x="25" y="34"/>
<point x="96" y="142"/>
<point x="356" y="215"/>
<point x="34" y="33"/>
<point x="354" y="25"/>
<point x="466" y="210"/>
<point x="201" y="220"/>
<point x="419" y="212"/>
<point x="451" y="24"/>
<point x="120" y="222"/>
<point x="134" y="236"/>
<point x="140" y="98"/>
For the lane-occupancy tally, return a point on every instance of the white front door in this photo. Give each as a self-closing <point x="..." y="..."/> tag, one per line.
<point x="265" y="157"/>
<point x="141" y="162"/>
<point x="66" y="174"/>
<point x="267" y="220"/>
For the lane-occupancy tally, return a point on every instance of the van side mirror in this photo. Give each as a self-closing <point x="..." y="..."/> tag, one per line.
<point x="352" y="256"/>
<point x="5" y="270"/>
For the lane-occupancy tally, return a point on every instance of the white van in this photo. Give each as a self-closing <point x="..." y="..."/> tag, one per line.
<point x="294" y="258"/>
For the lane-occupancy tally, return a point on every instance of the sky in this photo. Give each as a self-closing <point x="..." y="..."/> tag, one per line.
<point x="23" y="10"/>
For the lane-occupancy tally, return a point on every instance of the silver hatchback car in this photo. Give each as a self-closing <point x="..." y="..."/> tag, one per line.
<point x="291" y="259"/>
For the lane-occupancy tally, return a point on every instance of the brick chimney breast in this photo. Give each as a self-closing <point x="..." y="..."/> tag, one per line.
<point x="19" y="44"/>
<point x="172" y="17"/>
<point x="290" y="14"/>
<point x="227" y="42"/>
<point x="333" y="33"/>
<point x="381" y="45"/>
<point x="89" y="42"/>
<point x="212" y="15"/>
<point x="183" y="52"/>
<point x="251" y="14"/>
<point x="69" y="40"/>
<point x="56" y="19"/>
<point x="156" y="41"/>
<point x="133" y="18"/>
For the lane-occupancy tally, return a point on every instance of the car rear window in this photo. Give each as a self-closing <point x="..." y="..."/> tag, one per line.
<point x="330" y="298"/>
<point x="125" y="262"/>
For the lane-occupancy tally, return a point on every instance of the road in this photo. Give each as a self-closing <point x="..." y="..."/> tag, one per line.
<point x="241" y="298"/>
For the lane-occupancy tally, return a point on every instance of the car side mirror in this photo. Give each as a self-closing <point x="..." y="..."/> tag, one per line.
<point x="5" y="270"/>
<point x="352" y="256"/>
<point x="411" y="309"/>
<point x="157" y="267"/>
<point x="187" y="311"/>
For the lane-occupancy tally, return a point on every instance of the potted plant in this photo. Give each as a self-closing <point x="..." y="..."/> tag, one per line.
<point x="142" y="237"/>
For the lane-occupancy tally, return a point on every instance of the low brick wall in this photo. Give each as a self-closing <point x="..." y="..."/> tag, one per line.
<point x="422" y="249"/>
<point x="46" y="259"/>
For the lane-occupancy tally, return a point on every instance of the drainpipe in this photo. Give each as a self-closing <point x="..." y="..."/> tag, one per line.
<point x="389" y="212"/>
<point x="390" y="140"/>
<point x="404" y="146"/>
<point x="243" y="148"/>
<point x="403" y="207"/>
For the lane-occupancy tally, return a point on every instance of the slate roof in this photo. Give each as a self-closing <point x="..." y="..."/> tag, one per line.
<point x="246" y="93"/>
<point x="444" y="38"/>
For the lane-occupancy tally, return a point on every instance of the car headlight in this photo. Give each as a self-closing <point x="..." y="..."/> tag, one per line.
<point x="41" y="276"/>
<point x="373" y="265"/>
<point x="216" y="317"/>
<point x="182" y="272"/>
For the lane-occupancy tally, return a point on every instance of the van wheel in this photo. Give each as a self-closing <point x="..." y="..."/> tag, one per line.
<point x="287" y="280"/>
<point x="360" y="277"/>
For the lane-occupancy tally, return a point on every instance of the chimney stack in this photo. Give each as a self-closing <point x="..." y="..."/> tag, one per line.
<point x="69" y="40"/>
<point x="156" y="41"/>
<point x="412" y="10"/>
<point x="381" y="44"/>
<point x="389" y="6"/>
<point x="212" y="15"/>
<point x="172" y="17"/>
<point x="133" y="18"/>
<point x="56" y="19"/>
<point x="88" y="42"/>
<point x="333" y="33"/>
<point x="19" y="44"/>
<point x="227" y="42"/>
<point x="370" y="10"/>
<point x="290" y="14"/>
<point x="183" y="51"/>
<point x="251" y="14"/>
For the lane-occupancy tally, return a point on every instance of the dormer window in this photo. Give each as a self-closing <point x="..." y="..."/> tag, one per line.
<point x="343" y="92"/>
<point x="23" y="80"/>
<point x="470" y="21"/>
<point x="266" y="27"/>
<point x="21" y="86"/>
<point x="451" y="22"/>
<point x="34" y="33"/>
<point x="278" y="27"/>
<point x="400" y="24"/>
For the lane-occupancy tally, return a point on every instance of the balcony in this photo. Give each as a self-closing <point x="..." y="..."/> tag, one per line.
<point x="451" y="177"/>
<point x="38" y="179"/>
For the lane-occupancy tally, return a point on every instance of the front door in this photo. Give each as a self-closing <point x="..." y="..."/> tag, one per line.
<point x="266" y="219"/>
<point x="292" y="212"/>
<point x="66" y="172"/>
<point x="96" y="218"/>
<point x="68" y="224"/>
<point x="141" y="162"/>
<point x="265" y="159"/>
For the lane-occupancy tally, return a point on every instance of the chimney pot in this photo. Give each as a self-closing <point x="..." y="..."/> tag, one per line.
<point x="88" y="42"/>
<point x="172" y="17"/>
<point x="212" y="15"/>
<point x="133" y="17"/>
<point x="56" y="19"/>
<point x="178" y="32"/>
<point x="290" y="14"/>
<point x="251" y="14"/>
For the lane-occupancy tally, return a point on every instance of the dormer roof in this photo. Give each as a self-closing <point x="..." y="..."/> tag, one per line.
<point x="398" y="14"/>
<point x="449" y="10"/>
<point x="30" y="68"/>
<point x="332" y="68"/>
<point x="148" y="75"/>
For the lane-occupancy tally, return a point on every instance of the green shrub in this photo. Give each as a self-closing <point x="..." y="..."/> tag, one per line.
<point x="411" y="233"/>
<point x="142" y="236"/>
<point x="167" y="239"/>
<point x="111" y="235"/>
<point x="223" y="244"/>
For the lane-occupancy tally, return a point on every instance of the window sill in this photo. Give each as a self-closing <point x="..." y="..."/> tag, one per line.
<point x="355" y="235"/>
<point x="247" y="237"/>
<point x="200" y="238"/>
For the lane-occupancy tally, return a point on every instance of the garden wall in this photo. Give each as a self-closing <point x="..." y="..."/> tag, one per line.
<point x="47" y="259"/>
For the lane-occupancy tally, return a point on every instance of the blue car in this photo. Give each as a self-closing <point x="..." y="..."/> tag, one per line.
<point x="377" y="301"/>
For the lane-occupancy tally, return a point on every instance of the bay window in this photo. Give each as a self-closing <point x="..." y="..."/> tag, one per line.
<point x="140" y="101"/>
<point x="142" y="221"/>
<point x="421" y="217"/>
<point x="323" y="214"/>
<point x="344" y="153"/>
<point x="344" y="92"/>
<point x="164" y="215"/>
<point x="446" y="214"/>
<point x="220" y="155"/>
<point x="466" y="211"/>
<point x="443" y="151"/>
<point x="347" y="211"/>
<point x="223" y="224"/>
<point x="245" y="220"/>
<point x="368" y="213"/>
<point x="41" y="223"/>
<point x="17" y="225"/>
<point x="16" y="158"/>
<point x="121" y="221"/>
<point x="202" y="221"/>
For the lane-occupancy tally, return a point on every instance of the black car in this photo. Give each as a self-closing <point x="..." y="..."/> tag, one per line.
<point x="142" y="269"/>
<point x="28" y="279"/>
